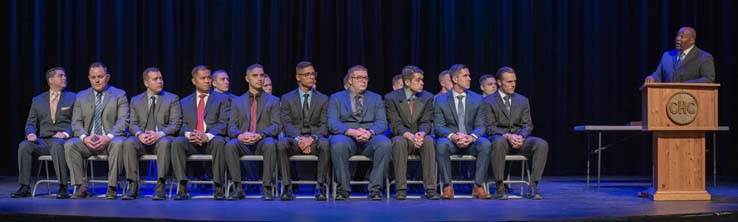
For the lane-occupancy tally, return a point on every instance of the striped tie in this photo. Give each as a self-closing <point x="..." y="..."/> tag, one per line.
<point x="97" y="119"/>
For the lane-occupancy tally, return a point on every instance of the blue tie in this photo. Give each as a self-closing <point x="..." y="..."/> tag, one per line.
<point x="97" y="119"/>
<point x="680" y="57"/>
<point x="461" y="113"/>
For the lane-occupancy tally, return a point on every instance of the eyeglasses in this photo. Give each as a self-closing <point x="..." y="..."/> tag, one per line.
<point x="314" y="74"/>
<point x="361" y="78"/>
<point x="258" y="74"/>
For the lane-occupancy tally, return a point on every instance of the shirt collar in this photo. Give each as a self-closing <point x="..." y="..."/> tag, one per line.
<point x="686" y="51"/>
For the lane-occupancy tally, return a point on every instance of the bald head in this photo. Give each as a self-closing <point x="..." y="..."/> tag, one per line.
<point x="685" y="38"/>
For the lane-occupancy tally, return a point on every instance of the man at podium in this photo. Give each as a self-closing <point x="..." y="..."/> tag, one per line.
<point x="686" y="63"/>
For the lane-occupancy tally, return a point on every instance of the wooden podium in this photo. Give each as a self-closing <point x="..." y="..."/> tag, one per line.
<point x="678" y="114"/>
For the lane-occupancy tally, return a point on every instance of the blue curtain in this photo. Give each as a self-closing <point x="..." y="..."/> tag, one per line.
<point x="579" y="62"/>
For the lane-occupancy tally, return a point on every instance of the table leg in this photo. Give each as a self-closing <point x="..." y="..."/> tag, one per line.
<point x="599" y="157"/>
<point x="714" y="159"/>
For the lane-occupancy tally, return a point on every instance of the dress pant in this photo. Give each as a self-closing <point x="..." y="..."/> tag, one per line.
<point x="287" y="147"/>
<point x="480" y="149"/>
<point x="536" y="149"/>
<point x="401" y="148"/>
<point x="182" y="148"/>
<point x="267" y="147"/>
<point x="379" y="148"/>
<point x="133" y="149"/>
<point x="29" y="151"/>
<point x="76" y="153"/>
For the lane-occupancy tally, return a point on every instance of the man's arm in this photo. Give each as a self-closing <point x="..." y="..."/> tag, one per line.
<point x="175" y="117"/>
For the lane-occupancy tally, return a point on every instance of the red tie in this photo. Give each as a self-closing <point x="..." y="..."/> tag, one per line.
<point x="252" y="125"/>
<point x="201" y="113"/>
<point x="411" y="105"/>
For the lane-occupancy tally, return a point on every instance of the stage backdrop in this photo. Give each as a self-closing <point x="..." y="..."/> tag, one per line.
<point x="579" y="62"/>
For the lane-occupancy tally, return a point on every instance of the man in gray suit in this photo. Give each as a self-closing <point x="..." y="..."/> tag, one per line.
<point x="47" y="127"/>
<point x="458" y="117"/>
<point x="686" y="63"/>
<point x="155" y="118"/>
<point x="254" y="125"/>
<point x="305" y="129"/>
<point x="205" y="116"/>
<point x="357" y="120"/>
<point x="509" y="126"/>
<point x="99" y="124"/>
<point x="410" y="112"/>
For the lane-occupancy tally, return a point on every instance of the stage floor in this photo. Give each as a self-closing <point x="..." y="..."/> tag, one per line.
<point x="565" y="198"/>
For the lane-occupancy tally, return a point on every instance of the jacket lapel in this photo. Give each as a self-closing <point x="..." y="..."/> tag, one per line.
<point x="418" y="106"/>
<point x="452" y="105"/>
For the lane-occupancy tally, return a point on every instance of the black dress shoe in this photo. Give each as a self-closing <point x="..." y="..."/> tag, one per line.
<point x="81" y="192"/>
<point x="375" y="195"/>
<point x="131" y="191"/>
<point x="322" y="193"/>
<point x="63" y="193"/>
<point x="342" y="195"/>
<point x="533" y="192"/>
<point x="267" y="193"/>
<point x="500" y="191"/>
<point x="237" y="193"/>
<point x="112" y="193"/>
<point x="219" y="194"/>
<point x="182" y="193"/>
<point x="23" y="191"/>
<point x="431" y="195"/>
<point x="160" y="192"/>
<point x="287" y="194"/>
<point x="401" y="195"/>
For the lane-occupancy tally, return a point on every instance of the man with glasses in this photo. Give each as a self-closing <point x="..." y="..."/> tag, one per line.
<point x="305" y="128"/>
<point x="356" y="118"/>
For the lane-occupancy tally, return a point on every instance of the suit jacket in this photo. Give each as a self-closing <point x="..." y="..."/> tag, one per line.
<point x="341" y="118"/>
<point x="291" y="112"/>
<point x="167" y="111"/>
<point x="697" y="67"/>
<point x="518" y="121"/>
<point x="114" y="113"/>
<point x="267" y="115"/>
<point x="445" y="119"/>
<point x="39" y="116"/>
<point x="398" y="112"/>
<point x="217" y="113"/>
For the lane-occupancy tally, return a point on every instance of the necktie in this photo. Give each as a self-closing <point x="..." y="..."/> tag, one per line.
<point x="461" y="113"/>
<point x="201" y="113"/>
<point x="97" y="118"/>
<point x="305" y="114"/>
<point x="53" y="104"/>
<point x="151" y="118"/>
<point x="358" y="106"/>
<point x="507" y="104"/>
<point x="680" y="57"/>
<point x="252" y="124"/>
<point x="410" y="103"/>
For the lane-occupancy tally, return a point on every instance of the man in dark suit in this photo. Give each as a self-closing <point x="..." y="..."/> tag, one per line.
<point x="459" y="125"/>
<point x="155" y="119"/>
<point x="254" y="125"/>
<point x="305" y="128"/>
<point x="357" y="120"/>
<point x="99" y="123"/>
<point x="205" y="116"/>
<point x="410" y="112"/>
<point x="47" y="127"/>
<point x="686" y="63"/>
<point x="509" y="126"/>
